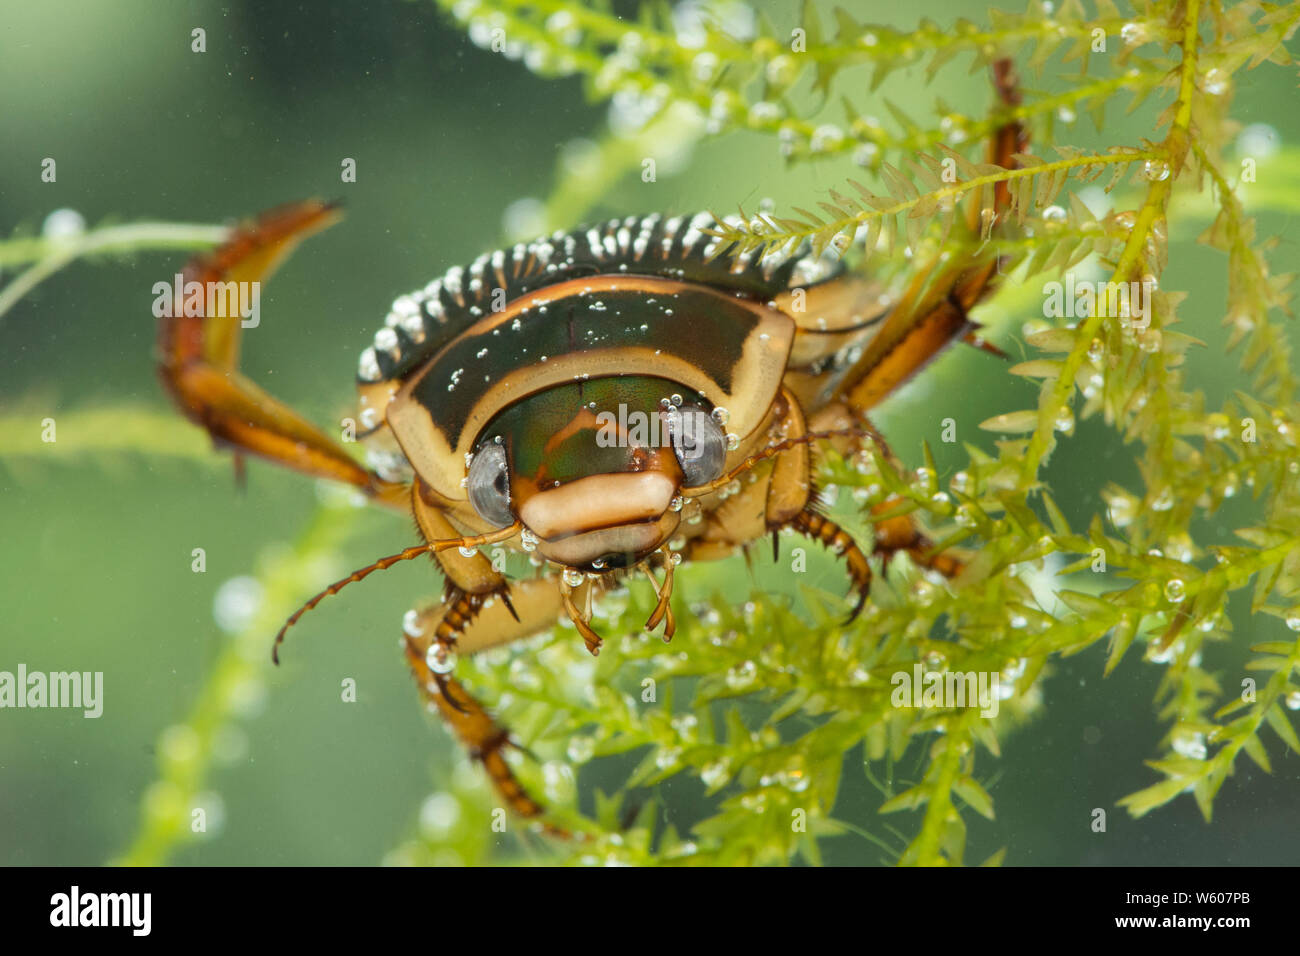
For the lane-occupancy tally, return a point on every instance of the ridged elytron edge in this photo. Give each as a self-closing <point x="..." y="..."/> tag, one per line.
<point x="422" y="322"/>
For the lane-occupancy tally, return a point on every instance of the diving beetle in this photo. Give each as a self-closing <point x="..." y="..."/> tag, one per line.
<point x="495" y="406"/>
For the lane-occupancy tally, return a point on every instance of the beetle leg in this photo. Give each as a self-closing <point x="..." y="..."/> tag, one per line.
<point x="901" y="533"/>
<point x="663" y="609"/>
<point x="823" y="529"/>
<point x="199" y="355"/>
<point x="932" y="312"/>
<point x="471" y="624"/>
<point x="470" y="573"/>
<point x="790" y="484"/>
<point x="482" y="736"/>
<point x="579" y="618"/>
<point x="918" y="327"/>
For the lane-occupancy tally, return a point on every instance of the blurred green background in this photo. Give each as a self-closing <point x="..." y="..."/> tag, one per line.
<point x="95" y="563"/>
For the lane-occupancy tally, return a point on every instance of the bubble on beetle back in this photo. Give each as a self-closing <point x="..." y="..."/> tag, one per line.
<point x="236" y="603"/>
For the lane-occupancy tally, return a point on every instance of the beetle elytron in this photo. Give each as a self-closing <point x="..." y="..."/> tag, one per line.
<point x="483" y="399"/>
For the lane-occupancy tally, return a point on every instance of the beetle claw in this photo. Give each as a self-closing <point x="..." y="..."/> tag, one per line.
<point x="857" y="608"/>
<point x="662" y="610"/>
<point x="592" y="639"/>
<point x="505" y="597"/>
<point x="445" y="690"/>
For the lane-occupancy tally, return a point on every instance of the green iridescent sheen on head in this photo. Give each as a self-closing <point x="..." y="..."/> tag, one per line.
<point x="579" y="429"/>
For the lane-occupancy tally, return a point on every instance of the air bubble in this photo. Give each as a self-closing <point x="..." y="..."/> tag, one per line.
<point x="236" y="603"/>
<point x="716" y="773"/>
<point x="1190" y="744"/>
<point x="1215" y="82"/>
<point x="668" y="757"/>
<point x="866" y="154"/>
<point x="439" y="816"/>
<point x="440" y="660"/>
<point x="764" y="113"/>
<point x="742" y="675"/>
<point x="1064" y="421"/>
<point x="63" y="224"/>
<point x="782" y="70"/>
<point x="411" y="624"/>
<point x="1156" y="170"/>
<point x="1096" y="352"/>
<point x="825" y="138"/>
<point x="1134" y="34"/>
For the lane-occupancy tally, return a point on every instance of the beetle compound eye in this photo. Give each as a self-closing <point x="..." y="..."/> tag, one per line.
<point x="699" y="443"/>
<point x="489" y="485"/>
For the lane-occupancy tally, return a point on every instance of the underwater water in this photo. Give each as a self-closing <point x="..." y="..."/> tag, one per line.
<point x="456" y="150"/>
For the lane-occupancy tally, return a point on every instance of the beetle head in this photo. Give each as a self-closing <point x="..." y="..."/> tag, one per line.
<point x="594" y="469"/>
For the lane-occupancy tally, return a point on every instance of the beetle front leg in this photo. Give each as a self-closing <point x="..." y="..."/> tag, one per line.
<point x="199" y="355"/>
<point x="473" y="624"/>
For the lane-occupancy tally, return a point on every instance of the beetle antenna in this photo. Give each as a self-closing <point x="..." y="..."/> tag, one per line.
<point x="432" y="547"/>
